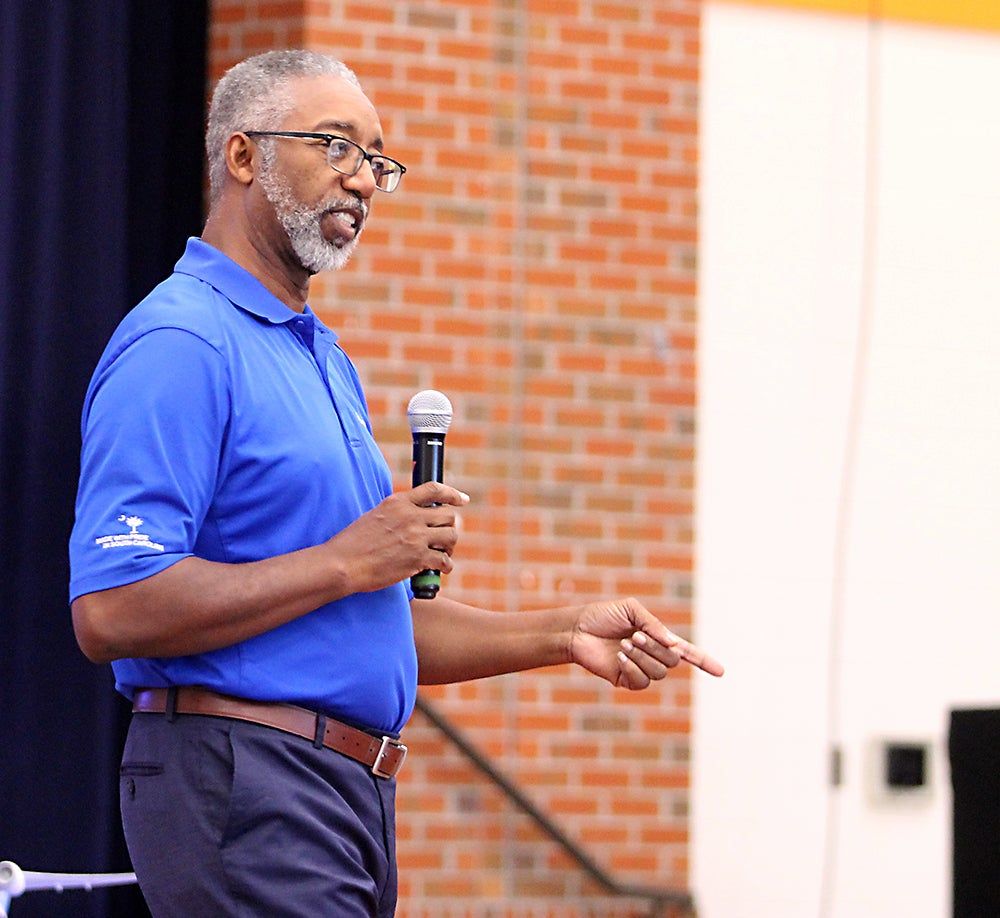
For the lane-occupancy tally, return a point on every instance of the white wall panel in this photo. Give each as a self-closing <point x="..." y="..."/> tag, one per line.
<point x="782" y="195"/>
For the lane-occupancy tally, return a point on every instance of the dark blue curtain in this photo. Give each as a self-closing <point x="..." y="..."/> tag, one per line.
<point x="101" y="126"/>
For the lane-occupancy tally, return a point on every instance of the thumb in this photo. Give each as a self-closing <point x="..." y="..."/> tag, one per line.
<point x="433" y="492"/>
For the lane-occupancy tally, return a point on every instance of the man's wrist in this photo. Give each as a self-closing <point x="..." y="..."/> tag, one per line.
<point x="340" y="575"/>
<point x="566" y="632"/>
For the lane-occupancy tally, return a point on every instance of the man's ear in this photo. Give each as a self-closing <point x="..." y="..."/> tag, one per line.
<point x="241" y="158"/>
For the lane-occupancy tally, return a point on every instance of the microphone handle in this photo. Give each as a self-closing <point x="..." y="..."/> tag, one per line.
<point x="428" y="465"/>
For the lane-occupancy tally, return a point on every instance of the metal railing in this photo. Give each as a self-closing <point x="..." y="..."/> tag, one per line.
<point x="662" y="901"/>
<point x="14" y="882"/>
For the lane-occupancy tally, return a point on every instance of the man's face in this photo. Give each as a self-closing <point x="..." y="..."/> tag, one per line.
<point x="321" y="211"/>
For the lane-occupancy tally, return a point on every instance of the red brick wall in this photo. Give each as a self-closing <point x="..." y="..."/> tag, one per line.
<point x="538" y="266"/>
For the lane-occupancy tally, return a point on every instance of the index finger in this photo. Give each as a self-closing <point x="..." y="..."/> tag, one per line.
<point x="433" y="492"/>
<point x="697" y="657"/>
<point x="688" y="651"/>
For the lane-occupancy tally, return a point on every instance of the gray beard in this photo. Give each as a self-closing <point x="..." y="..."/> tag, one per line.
<point x="302" y="224"/>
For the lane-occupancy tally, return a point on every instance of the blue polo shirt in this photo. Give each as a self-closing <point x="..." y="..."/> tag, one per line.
<point x="220" y="423"/>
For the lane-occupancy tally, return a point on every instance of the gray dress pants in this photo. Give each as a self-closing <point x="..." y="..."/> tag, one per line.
<point x="227" y="818"/>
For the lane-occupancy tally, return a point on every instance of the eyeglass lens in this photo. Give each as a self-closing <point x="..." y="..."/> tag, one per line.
<point x="346" y="157"/>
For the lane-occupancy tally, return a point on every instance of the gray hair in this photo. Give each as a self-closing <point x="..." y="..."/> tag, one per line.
<point x="253" y="96"/>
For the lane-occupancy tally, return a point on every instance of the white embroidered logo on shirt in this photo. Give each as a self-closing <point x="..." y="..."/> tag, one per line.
<point x="133" y="522"/>
<point x="131" y="538"/>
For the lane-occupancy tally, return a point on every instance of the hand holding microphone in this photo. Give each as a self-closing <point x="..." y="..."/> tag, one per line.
<point x="429" y="413"/>
<point x="409" y="530"/>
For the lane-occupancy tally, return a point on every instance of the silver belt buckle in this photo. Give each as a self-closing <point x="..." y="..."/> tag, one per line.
<point x="387" y="741"/>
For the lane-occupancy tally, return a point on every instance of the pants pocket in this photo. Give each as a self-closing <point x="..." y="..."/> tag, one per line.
<point x="140" y="769"/>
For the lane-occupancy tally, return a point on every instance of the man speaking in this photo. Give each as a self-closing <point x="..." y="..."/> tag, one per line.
<point x="238" y="553"/>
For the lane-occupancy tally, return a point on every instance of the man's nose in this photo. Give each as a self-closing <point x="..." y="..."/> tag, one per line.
<point x="362" y="182"/>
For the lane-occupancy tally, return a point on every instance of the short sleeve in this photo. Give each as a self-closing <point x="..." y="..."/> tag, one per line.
<point x="154" y="427"/>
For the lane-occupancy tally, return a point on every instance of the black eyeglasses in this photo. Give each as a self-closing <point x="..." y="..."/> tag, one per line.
<point x="346" y="157"/>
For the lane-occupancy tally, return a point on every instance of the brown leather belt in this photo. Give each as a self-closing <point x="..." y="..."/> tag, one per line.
<point x="384" y="755"/>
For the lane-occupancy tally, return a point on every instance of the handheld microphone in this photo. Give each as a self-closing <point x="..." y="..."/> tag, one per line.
<point x="429" y="414"/>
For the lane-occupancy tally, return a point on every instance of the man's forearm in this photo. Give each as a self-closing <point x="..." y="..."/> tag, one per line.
<point x="195" y="605"/>
<point x="456" y="642"/>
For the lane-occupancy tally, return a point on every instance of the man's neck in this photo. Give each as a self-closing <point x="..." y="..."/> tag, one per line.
<point x="288" y="282"/>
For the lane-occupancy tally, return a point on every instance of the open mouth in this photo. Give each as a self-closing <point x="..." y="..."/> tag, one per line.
<point x="346" y="221"/>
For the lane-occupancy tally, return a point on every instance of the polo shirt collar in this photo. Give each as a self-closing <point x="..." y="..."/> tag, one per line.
<point x="234" y="282"/>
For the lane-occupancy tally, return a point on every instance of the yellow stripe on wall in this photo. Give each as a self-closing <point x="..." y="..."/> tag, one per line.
<point x="969" y="14"/>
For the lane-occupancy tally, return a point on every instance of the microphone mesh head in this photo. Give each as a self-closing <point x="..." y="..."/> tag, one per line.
<point x="429" y="412"/>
